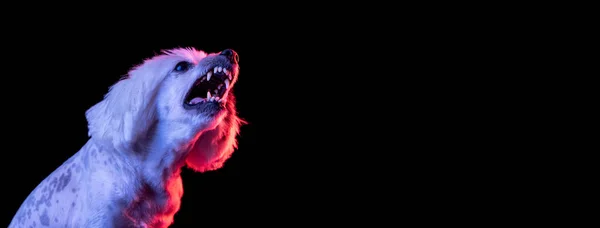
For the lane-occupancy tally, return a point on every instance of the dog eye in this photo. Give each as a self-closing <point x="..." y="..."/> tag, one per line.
<point x="182" y="66"/>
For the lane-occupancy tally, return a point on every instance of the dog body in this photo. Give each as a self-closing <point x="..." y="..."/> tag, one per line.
<point x="175" y="109"/>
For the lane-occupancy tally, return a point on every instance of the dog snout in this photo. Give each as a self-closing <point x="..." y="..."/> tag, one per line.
<point x="231" y="55"/>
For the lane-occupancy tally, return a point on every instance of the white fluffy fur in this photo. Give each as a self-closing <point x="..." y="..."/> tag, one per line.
<point x="148" y="95"/>
<point x="141" y="135"/>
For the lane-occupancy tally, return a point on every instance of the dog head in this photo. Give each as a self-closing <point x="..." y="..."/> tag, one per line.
<point x="182" y="97"/>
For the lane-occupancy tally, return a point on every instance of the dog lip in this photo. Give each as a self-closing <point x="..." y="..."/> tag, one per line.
<point x="198" y="106"/>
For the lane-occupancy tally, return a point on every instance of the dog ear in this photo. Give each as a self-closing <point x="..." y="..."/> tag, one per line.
<point x="128" y="110"/>
<point x="214" y="147"/>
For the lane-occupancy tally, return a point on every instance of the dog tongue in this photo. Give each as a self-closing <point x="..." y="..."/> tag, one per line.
<point x="196" y="100"/>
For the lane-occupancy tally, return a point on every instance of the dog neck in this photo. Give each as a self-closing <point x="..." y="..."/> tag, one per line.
<point x="157" y="163"/>
<point x="164" y="154"/>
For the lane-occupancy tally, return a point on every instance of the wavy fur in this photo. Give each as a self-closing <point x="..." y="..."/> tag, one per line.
<point x="141" y="134"/>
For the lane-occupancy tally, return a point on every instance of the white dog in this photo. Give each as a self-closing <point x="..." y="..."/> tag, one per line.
<point x="175" y="109"/>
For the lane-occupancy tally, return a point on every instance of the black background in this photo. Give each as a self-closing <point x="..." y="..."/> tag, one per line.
<point x="357" y="114"/>
<point x="289" y="154"/>
<point x="350" y="120"/>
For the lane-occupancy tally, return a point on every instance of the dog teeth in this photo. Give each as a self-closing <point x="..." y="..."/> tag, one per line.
<point x="228" y="73"/>
<point x="217" y="99"/>
<point x="221" y="69"/>
<point x="226" y="82"/>
<point x="209" y="98"/>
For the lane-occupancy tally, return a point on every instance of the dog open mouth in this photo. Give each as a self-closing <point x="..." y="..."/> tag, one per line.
<point x="211" y="87"/>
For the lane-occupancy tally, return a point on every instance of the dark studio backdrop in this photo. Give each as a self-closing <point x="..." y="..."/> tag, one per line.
<point x="351" y="119"/>
<point x="289" y="154"/>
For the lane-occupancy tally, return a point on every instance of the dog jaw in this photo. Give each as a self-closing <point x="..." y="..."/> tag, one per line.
<point x="214" y="147"/>
<point x="173" y="106"/>
<point x="212" y="127"/>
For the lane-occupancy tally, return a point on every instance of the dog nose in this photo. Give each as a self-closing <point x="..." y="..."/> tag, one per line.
<point x="231" y="55"/>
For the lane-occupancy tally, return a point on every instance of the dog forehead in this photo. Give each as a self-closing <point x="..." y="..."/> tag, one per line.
<point x="189" y="54"/>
